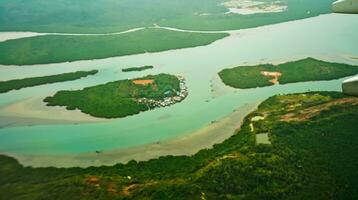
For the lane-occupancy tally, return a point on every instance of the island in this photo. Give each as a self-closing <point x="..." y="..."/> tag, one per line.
<point x="124" y="97"/>
<point x="308" y="69"/>
<point x="311" y="146"/>
<point x="6" y="86"/>
<point x="131" y="69"/>
<point x="65" y="48"/>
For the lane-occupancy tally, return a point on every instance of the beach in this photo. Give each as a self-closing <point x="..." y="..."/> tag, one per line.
<point x="189" y="144"/>
<point x="33" y="111"/>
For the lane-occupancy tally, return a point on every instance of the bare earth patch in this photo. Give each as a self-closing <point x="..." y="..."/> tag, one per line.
<point x="143" y="82"/>
<point x="315" y="110"/>
<point x="274" y="75"/>
<point x="93" y="180"/>
<point x="247" y="7"/>
<point x="127" y="190"/>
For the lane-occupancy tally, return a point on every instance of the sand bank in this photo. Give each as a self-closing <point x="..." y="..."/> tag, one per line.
<point x="33" y="111"/>
<point x="214" y="133"/>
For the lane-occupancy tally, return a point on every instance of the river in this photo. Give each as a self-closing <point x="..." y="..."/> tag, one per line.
<point x="331" y="37"/>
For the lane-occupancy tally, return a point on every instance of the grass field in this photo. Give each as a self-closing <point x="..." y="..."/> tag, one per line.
<point x="119" y="98"/>
<point x="112" y="16"/>
<point x="312" y="155"/>
<point x="6" y="86"/>
<point x="55" y="48"/>
<point x="308" y="69"/>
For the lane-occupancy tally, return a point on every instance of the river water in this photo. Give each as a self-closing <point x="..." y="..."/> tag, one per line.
<point x="332" y="37"/>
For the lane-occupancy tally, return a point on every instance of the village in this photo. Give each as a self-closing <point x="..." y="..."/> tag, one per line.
<point x="170" y="98"/>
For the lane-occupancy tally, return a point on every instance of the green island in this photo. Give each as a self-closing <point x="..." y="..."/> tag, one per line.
<point x="311" y="154"/>
<point x="113" y="16"/>
<point x="131" y="69"/>
<point x="291" y="72"/>
<point x="6" y="86"/>
<point x="60" y="48"/>
<point x="124" y="97"/>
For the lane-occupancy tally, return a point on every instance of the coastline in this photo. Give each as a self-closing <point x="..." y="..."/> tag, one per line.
<point x="189" y="144"/>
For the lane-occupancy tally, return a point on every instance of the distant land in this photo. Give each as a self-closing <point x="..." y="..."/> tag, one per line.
<point x="59" y="48"/>
<point x="115" y="16"/>
<point x="124" y="97"/>
<point x="308" y="69"/>
<point x="90" y="18"/>
<point x="131" y="69"/>
<point x="312" y="145"/>
<point x="6" y="86"/>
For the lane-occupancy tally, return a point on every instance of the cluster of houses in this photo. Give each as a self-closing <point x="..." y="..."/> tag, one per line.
<point x="170" y="98"/>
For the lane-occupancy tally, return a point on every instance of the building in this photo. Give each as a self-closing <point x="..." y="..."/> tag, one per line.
<point x="345" y="6"/>
<point x="350" y="86"/>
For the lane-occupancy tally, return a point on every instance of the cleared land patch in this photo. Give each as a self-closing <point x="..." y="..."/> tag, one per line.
<point x="247" y="7"/>
<point x="143" y="82"/>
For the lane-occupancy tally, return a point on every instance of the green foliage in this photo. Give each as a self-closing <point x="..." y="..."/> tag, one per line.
<point x="59" y="48"/>
<point x="93" y="16"/>
<point x="292" y="72"/>
<point x="309" y="159"/>
<point x="246" y="76"/>
<point x="6" y="86"/>
<point x="116" y="99"/>
<point x="130" y="69"/>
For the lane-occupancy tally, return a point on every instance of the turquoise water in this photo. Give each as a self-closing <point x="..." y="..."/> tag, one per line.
<point x="328" y="37"/>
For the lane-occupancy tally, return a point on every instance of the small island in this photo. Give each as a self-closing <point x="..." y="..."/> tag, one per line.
<point x="308" y="69"/>
<point x="131" y="69"/>
<point x="124" y="97"/>
<point x="6" y="86"/>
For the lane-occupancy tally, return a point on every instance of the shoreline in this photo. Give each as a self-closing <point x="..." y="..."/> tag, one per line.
<point x="229" y="32"/>
<point x="33" y="111"/>
<point x="189" y="144"/>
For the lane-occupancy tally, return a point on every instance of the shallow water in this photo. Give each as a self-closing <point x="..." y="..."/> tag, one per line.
<point x="326" y="37"/>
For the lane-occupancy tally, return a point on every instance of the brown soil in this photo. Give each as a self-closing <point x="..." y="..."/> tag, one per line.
<point x="92" y="180"/>
<point x="274" y="75"/>
<point x="112" y="188"/>
<point x="143" y="82"/>
<point x="315" y="110"/>
<point x="126" y="191"/>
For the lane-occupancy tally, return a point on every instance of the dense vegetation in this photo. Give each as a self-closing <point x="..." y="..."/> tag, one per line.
<point x="112" y="16"/>
<point x="131" y="69"/>
<point x="9" y="85"/>
<point x="308" y="69"/>
<point x="57" y="48"/>
<point x="118" y="98"/>
<point x="93" y="16"/>
<point x="312" y="155"/>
